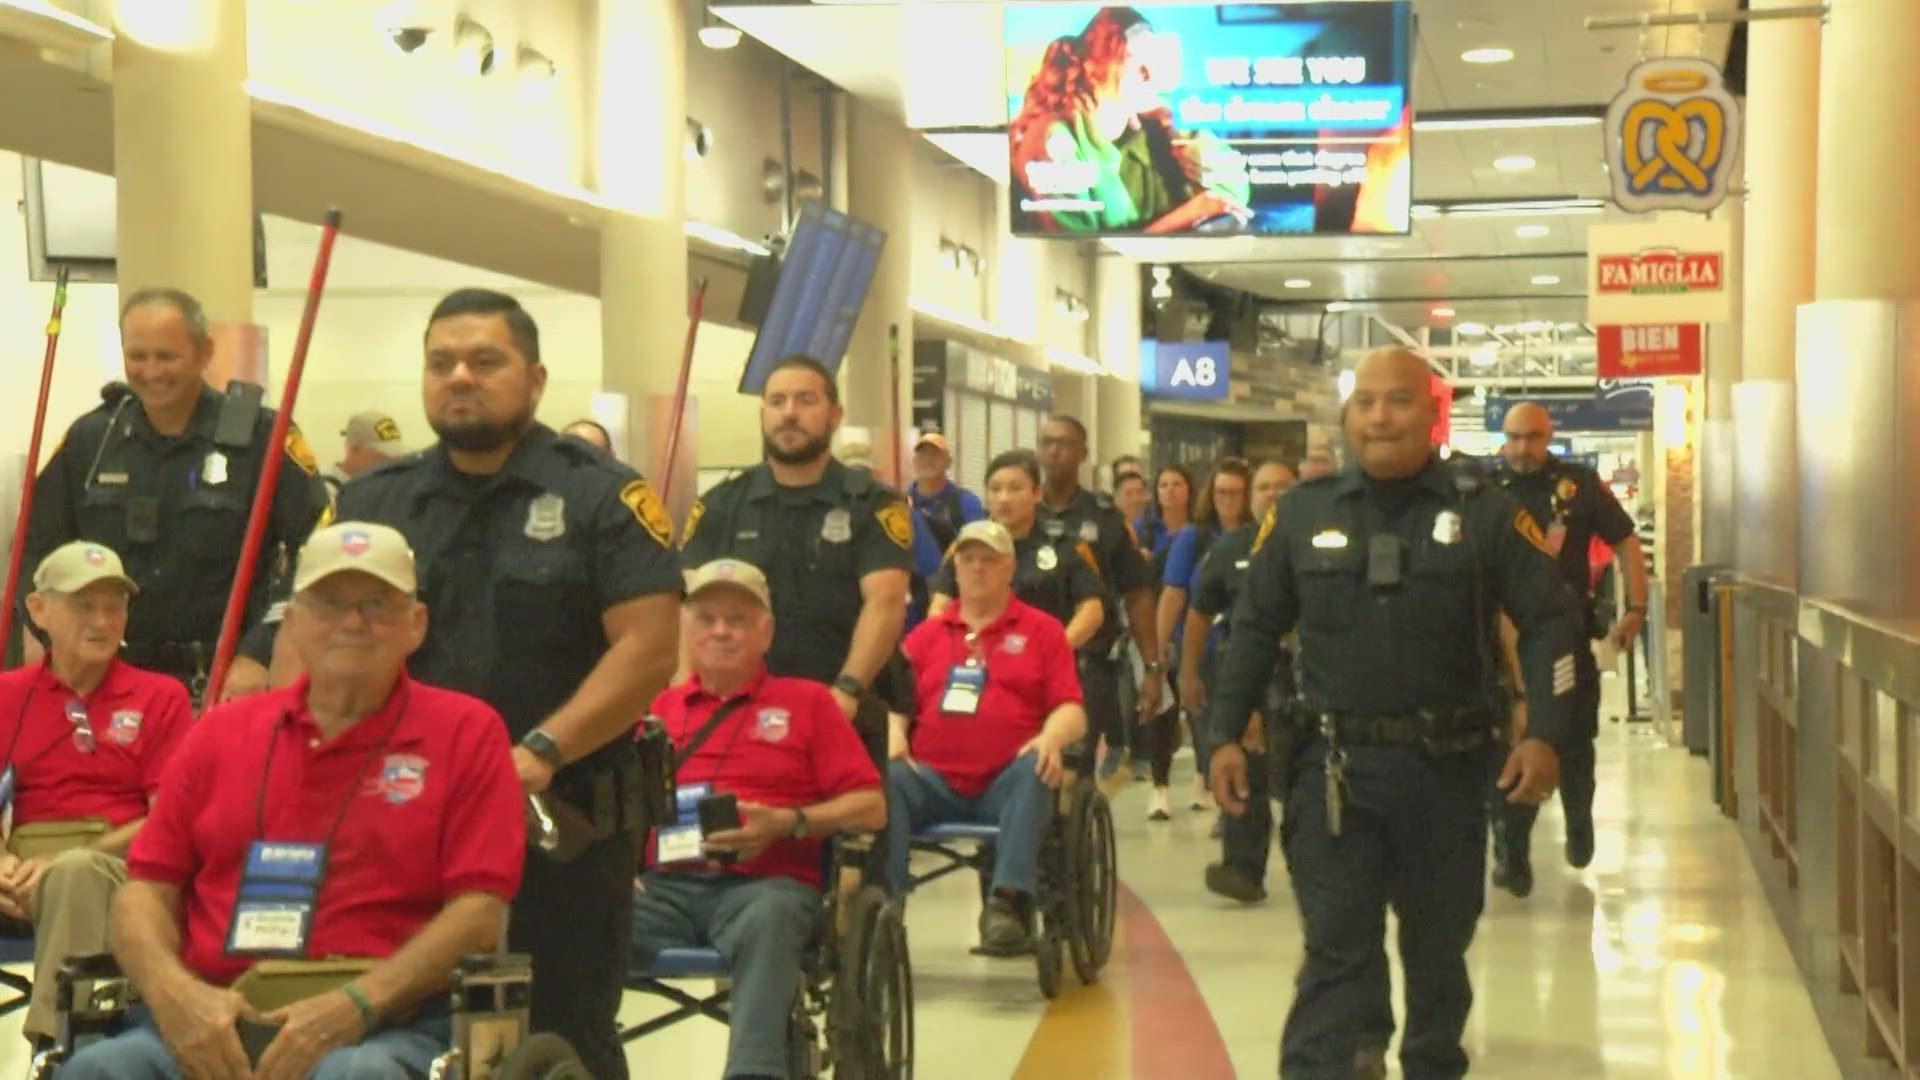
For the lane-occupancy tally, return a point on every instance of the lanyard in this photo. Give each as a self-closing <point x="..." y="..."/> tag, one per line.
<point x="359" y="780"/>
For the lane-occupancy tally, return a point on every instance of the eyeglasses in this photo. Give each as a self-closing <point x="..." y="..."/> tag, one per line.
<point x="374" y="609"/>
<point x="82" y="726"/>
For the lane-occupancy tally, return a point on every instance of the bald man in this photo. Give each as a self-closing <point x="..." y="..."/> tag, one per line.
<point x="1571" y="505"/>
<point x="1392" y="573"/>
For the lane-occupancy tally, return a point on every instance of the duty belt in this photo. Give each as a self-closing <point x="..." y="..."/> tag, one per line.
<point x="1439" y="732"/>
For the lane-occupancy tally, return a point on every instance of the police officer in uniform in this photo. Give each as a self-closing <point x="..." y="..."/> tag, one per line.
<point x="1571" y="505"/>
<point x="1393" y="573"/>
<point x="164" y="472"/>
<point x="835" y="545"/>
<point x="553" y="595"/>
<point x="1073" y="512"/>
<point x="1060" y="577"/>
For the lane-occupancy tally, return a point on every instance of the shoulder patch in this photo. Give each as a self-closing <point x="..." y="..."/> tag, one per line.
<point x="1085" y="551"/>
<point x="693" y="521"/>
<point x="1103" y="500"/>
<point x="299" y="451"/>
<point x="893" y="519"/>
<point x="1266" y="530"/>
<point x="1530" y="532"/>
<point x="647" y="510"/>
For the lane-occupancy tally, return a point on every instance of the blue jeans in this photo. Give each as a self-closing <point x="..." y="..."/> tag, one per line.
<point x="760" y="925"/>
<point x="1016" y="801"/>
<point x="392" y="1053"/>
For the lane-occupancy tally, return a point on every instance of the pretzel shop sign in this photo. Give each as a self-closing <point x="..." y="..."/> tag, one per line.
<point x="1673" y="134"/>
<point x="1663" y="272"/>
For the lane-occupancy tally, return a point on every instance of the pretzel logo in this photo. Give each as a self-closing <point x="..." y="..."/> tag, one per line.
<point x="1672" y="137"/>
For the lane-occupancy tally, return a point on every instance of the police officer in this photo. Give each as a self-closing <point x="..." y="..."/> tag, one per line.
<point x="1059" y="577"/>
<point x="1073" y="512"/>
<point x="945" y="504"/>
<point x="164" y="472"/>
<point x="1245" y="839"/>
<point x="834" y="543"/>
<point x="1571" y="505"/>
<point x="1393" y="573"/>
<point x="553" y="595"/>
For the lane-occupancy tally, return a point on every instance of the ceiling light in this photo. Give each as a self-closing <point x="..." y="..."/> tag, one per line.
<point x="1483" y="358"/>
<point x="1514" y="163"/>
<point x="1520" y="122"/>
<point x="534" y="64"/>
<point x="1531" y="232"/>
<point x="715" y="34"/>
<point x="1487" y="56"/>
<point x="1339" y="306"/>
<point x="1443" y="313"/>
<point x="1546" y="279"/>
<point x="473" y="43"/>
<point x="1470" y="329"/>
<point x="1298" y="283"/>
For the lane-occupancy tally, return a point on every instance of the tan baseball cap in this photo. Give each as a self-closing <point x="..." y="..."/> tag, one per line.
<point x="985" y="531"/>
<point x="730" y="574"/>
<point x="378" y="550"/>
<point x="74" y="566"/>
<point x="934" y="439"/>
<point x="376" y="430"/>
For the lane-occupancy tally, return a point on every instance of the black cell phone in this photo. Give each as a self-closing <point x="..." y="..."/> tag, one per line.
<point x="1383" y="561"/>
<point x="255" y="1037"/>
<point x="718" y="813"/>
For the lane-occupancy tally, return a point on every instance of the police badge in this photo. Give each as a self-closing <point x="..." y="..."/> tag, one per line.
<point x="1045" y="558"/>
<point x="214" y="470"/>
<point x="546" y="517"/>
<point x="837" y="526"/>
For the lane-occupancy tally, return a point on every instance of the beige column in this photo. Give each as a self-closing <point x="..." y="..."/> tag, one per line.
<point x="874" y="388"/>
<point x="641" y="125"/>
<point x="1783" y="120"/>
<point x="1869" y="150"/>
<point x="1116" y="317"/>
<point x="183" y="159"/>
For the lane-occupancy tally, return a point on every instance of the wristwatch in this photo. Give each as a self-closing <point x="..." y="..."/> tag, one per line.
<point x="800" y="828"/>
<point x="848" y="685"/>
<point x="544" y="747"/>
<point x="1155" y="668"/>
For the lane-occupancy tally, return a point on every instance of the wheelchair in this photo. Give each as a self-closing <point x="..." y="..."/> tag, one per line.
<point x="491" y="996"/>
<point x="854" y="1013"/>
<point x="1078" y="875"/>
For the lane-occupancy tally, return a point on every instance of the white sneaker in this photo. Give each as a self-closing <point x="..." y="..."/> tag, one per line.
<point x="1203" y="799"/>
<point x="1157" y="808"/>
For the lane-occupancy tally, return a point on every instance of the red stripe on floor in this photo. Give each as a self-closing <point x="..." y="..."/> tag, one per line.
<point x="1174" y="1036"/>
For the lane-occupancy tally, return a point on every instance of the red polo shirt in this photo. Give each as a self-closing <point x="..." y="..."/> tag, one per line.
<point x="1030" y="673"/>
<point x="787" y="744"/>
<point x="137" y="719"/>
<point x="433" y="810"/>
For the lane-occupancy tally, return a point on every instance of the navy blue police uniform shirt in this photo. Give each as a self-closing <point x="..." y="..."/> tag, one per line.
<point x="1572" y="504"/>
<point x="1094" y="520"/>
<point x="1425" y="644"/>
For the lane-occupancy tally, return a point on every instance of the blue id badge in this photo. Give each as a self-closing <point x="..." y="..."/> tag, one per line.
<point x="273" y="914"/>
<point x="680" y="841"/>
<point x="962" y="695"/>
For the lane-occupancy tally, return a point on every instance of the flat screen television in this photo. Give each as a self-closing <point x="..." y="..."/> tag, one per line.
<point x="824" y="277"/>
<point x="71" y="217"/>
<point x="1215" y="119"/>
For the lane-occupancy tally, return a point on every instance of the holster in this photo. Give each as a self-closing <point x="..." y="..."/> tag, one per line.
<point x="627" y="789"/>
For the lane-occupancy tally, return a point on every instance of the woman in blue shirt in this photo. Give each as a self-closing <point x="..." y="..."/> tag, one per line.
<point x="1223" y="506"/>
<point x="1171" y="510"/>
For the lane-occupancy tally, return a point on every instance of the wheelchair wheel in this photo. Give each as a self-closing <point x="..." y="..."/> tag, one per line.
<point x="1093" y="876"/>
<point x="544" y="1056"/>
<point x="1047" y="962"/>
<point x="870" y="1023"/>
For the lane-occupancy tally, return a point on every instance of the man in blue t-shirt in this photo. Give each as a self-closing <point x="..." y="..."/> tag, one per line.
<point x="946" y="505"/>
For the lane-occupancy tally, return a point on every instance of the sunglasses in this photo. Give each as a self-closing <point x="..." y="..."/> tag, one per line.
<point x="82" y="726"/>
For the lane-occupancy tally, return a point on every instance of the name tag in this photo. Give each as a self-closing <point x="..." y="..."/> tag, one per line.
<point x="962" y="695"/>
<point x="680" y="842"/>
<point x="273" y="915"/>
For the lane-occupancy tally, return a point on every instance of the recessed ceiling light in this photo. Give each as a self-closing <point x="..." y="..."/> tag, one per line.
<point x="1298" y="283"/>
<point x="1471" y="329"/>
<point x="1487" y="56"/>
<point x="1546" y="279"/>
<point x="1443" y="313"/>
<point x="1339" y="306"/>
<point x="1531" y="232"/>
<point x="1514" y="163"/>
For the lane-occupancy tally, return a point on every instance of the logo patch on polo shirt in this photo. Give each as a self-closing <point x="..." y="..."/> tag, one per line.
<point x="124" y="727"/>
<point x="772" y="725"/>
<point x="402" y="778"/>
<point x="1013" y="644"/>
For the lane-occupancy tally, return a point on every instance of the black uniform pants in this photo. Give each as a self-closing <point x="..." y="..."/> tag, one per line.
<point x="1100" y="695"/>
<point x="576" y="919"/>
<point x="1413" y="835"/>
<point x="1247" y="840"/>
<point x="1576" y="763"/>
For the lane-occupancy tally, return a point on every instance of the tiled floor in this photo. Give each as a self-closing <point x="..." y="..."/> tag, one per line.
<point x="1660" y="960"/>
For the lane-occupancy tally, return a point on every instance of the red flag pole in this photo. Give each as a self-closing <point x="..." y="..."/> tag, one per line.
<point x="33" y="459"/>
<point x="698" y="305"/>
<point x="270" y="469"/>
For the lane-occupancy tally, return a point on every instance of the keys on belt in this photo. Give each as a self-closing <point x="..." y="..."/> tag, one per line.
<point x="1336" y="773"/>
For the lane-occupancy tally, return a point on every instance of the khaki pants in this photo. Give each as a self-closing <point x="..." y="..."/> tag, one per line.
<point x="70" y="919"/>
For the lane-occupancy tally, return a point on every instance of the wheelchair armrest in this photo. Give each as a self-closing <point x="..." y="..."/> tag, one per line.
<point x="92" y="966"/>
<point x="474" y="965"/>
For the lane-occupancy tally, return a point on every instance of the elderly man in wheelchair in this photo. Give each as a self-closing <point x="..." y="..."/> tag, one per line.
<point x="318" y="861"/>
<point x="1000" y="709"/>
<point x="765" y="769"/>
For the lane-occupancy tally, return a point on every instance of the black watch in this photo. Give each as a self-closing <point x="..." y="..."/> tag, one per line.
<point x="544" y="748"/>
<point x="848" y="685"/>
